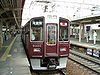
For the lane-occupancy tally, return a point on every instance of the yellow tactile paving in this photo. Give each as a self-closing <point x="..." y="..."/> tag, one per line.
<point x="5" y="55"/>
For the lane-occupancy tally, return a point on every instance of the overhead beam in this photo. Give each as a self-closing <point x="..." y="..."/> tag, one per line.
<point x="10" y="9"/>
<point x="1" y="12"/>
<point x="15" y="19"/>
<point x="9" y="18"/>
<point x="13" y="9"/>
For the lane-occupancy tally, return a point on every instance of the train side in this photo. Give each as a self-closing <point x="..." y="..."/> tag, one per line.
<point x="46" y="41"/>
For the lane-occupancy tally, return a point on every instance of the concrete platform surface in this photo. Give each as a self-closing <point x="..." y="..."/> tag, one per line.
<point x="16" y="62"/>
<point x="85" y="44"/>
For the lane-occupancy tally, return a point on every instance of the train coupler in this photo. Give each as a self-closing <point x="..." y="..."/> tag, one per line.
<point x="52" y="64"/>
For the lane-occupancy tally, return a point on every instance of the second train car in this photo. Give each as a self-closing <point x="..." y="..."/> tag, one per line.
<point x="46" y="40"/>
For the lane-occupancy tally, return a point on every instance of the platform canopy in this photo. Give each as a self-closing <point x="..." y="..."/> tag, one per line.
<point x="74" y="9"/>
<point x="11" y="12"/>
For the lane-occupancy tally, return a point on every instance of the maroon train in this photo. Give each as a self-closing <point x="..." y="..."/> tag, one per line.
<point x="46" y="41"/>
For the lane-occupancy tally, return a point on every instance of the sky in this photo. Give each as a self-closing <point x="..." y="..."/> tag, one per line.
<point x="74" y="9"/>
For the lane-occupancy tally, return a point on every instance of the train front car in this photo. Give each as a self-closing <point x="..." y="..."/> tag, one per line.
<point x="48" y="47"/>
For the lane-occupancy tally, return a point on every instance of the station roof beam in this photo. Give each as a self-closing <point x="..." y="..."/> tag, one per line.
<point x="11" y="11"/>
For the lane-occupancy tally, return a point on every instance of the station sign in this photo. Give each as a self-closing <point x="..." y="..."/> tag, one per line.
<point x="96" y="53"/>
<point x="89" y="51"/>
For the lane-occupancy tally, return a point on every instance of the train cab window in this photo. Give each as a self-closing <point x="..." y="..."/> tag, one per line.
<point x="63" y="33"/>
<point x="36" y="33"/>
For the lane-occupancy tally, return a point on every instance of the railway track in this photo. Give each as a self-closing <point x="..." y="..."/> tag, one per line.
<point x="85" y="61"/>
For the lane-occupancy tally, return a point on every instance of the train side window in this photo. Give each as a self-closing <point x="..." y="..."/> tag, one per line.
<point x="32" y="36"/>
<point x="63" y="33"/>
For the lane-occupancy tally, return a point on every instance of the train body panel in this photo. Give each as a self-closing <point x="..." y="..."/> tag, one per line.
<point x="46" y="40"/>
<point x="38" y="65"/>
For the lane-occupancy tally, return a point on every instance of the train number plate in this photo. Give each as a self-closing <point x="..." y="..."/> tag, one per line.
<point x="51" y="67"/>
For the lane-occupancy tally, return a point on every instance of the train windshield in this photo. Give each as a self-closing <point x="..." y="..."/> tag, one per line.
<point x="63" y="33"/>
<point x="36" y="33"/>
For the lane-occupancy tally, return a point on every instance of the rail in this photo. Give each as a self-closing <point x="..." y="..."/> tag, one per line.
<point x="83" y="59"/>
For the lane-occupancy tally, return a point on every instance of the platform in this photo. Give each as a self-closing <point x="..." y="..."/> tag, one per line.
<point x="14" y="60"/>
<point x="5" y="45"/>
<point x="83" y="43"/>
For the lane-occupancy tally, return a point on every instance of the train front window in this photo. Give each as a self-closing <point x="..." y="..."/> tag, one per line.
<point x="36" y="33"/>
<point x="63" y="33"/>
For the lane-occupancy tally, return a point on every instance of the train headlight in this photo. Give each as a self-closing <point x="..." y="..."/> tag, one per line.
<point x="62" y="49"/>
<point x="37" y="49"/>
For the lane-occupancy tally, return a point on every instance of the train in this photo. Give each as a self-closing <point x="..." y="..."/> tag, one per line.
<point x="47" y="42"/>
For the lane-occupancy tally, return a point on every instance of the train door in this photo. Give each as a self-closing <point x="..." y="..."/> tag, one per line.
<point x="51" y="39"/>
